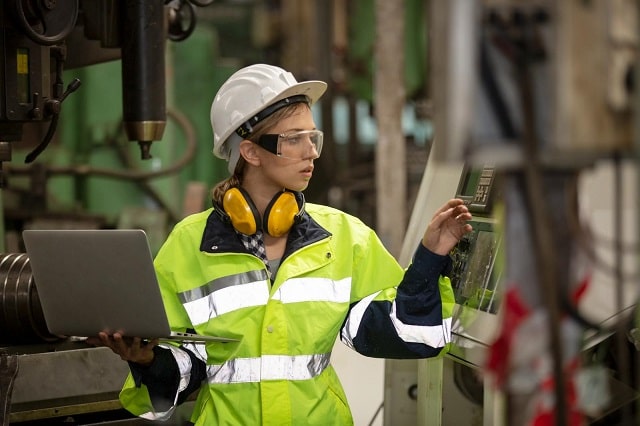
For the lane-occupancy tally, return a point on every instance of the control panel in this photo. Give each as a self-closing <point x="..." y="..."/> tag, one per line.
<point x="475" y="275"/>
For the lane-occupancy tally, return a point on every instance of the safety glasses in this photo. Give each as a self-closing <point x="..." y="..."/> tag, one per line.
<point x="299" y="145"/>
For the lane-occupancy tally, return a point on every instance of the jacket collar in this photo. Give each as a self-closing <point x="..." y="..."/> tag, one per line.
<point x="220" y="237"/>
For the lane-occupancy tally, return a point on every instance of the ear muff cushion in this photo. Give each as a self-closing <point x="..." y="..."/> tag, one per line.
<point x="280" y="214"/>
<point x="241" y="210"/>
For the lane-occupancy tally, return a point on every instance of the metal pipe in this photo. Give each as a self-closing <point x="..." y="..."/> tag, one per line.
<point x="143" y="71"/>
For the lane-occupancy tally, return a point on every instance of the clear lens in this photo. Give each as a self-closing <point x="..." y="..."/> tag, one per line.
<point x="300" y="145"/>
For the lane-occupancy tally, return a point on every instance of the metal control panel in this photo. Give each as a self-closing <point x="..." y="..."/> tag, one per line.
<point x="475" y="275"/>
<point x="476" y="268"/>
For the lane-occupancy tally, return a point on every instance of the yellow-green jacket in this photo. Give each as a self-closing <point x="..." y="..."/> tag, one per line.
<point x="335" y="278"/>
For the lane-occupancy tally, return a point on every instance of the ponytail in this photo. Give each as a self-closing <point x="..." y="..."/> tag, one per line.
<point x="219" y="190"/>
<point x="233" y="181"/>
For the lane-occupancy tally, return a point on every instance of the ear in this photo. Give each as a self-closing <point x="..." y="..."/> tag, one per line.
<point x="249" y="151"/>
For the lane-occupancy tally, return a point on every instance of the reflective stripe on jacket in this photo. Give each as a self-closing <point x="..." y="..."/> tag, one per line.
<point x="335" y="278"/>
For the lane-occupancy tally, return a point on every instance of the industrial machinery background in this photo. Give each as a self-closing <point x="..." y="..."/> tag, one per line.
<point x="46" y="378"/>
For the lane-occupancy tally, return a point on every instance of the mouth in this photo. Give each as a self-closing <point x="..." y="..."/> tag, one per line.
<point x="307" y="172"/>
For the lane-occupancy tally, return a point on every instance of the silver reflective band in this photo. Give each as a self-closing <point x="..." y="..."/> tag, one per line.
<point x="235" y="292"/>
<point x="435" y="336"/>
<point x="227" y="300"/>
<point x="159" y="416"/>
<point x="184" y="367"/>
<point x="225" y="295"/>
<point x="222" y="282"/>
<point x="352" y="324"/>
<point x="297" y="290"/>
<point x="268" y="367"/>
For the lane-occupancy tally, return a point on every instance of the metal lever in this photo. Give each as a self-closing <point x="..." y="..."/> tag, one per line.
<point x="52" y="106"/>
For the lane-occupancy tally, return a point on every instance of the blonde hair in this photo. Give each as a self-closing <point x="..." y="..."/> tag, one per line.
<point x="260" y="129"/>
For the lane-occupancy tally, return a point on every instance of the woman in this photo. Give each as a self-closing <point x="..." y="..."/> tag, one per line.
<point x="283" y="277"/>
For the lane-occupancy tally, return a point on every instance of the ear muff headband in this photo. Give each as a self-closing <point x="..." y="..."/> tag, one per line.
<point x="242" y="212"/>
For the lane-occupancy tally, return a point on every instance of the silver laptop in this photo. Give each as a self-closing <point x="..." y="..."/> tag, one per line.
<point x="100" y="280"/>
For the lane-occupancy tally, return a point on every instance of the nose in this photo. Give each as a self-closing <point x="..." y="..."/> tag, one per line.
<point x="311" y="151"/>
<point x="314" y="152"/>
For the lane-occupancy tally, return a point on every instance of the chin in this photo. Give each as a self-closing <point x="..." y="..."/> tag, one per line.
<point x="299" y="187"/>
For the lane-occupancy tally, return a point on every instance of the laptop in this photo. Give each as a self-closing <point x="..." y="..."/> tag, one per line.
<point x="100" y="280"/>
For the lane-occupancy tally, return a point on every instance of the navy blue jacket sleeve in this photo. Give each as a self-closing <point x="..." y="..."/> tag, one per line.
<point x="162" y="377"/>
<point x="417" y="302"/>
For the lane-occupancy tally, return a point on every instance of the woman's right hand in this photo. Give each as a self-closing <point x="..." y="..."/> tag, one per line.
<point x="131" y="349"/>
<point x="448" y="225"/>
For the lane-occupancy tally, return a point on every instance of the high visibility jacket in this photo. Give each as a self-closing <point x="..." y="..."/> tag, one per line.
<point x="335" y="278"/>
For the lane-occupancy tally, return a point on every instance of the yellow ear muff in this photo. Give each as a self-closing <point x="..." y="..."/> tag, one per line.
<point x="241" y="210"/>
<point x="280" y="214"/>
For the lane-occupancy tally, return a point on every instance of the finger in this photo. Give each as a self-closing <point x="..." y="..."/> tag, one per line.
<point x="137" y="343"/>
<point x="452" y="203"/>
<point x="464" y="217"/>
<point x="120" y="344"/>
<point x="105" y="339"/>
<point x="440" y="218"/>
<point x="459" y="212"/>
<point x="461" y="209"/>
<point x="150" y="344"/>
<point x="94" y="341"/>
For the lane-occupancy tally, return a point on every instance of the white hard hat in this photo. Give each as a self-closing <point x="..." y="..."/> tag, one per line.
<point x="248" y="92"/>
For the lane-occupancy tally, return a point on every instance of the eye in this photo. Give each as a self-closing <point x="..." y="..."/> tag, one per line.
<point x="294" y="139"/>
